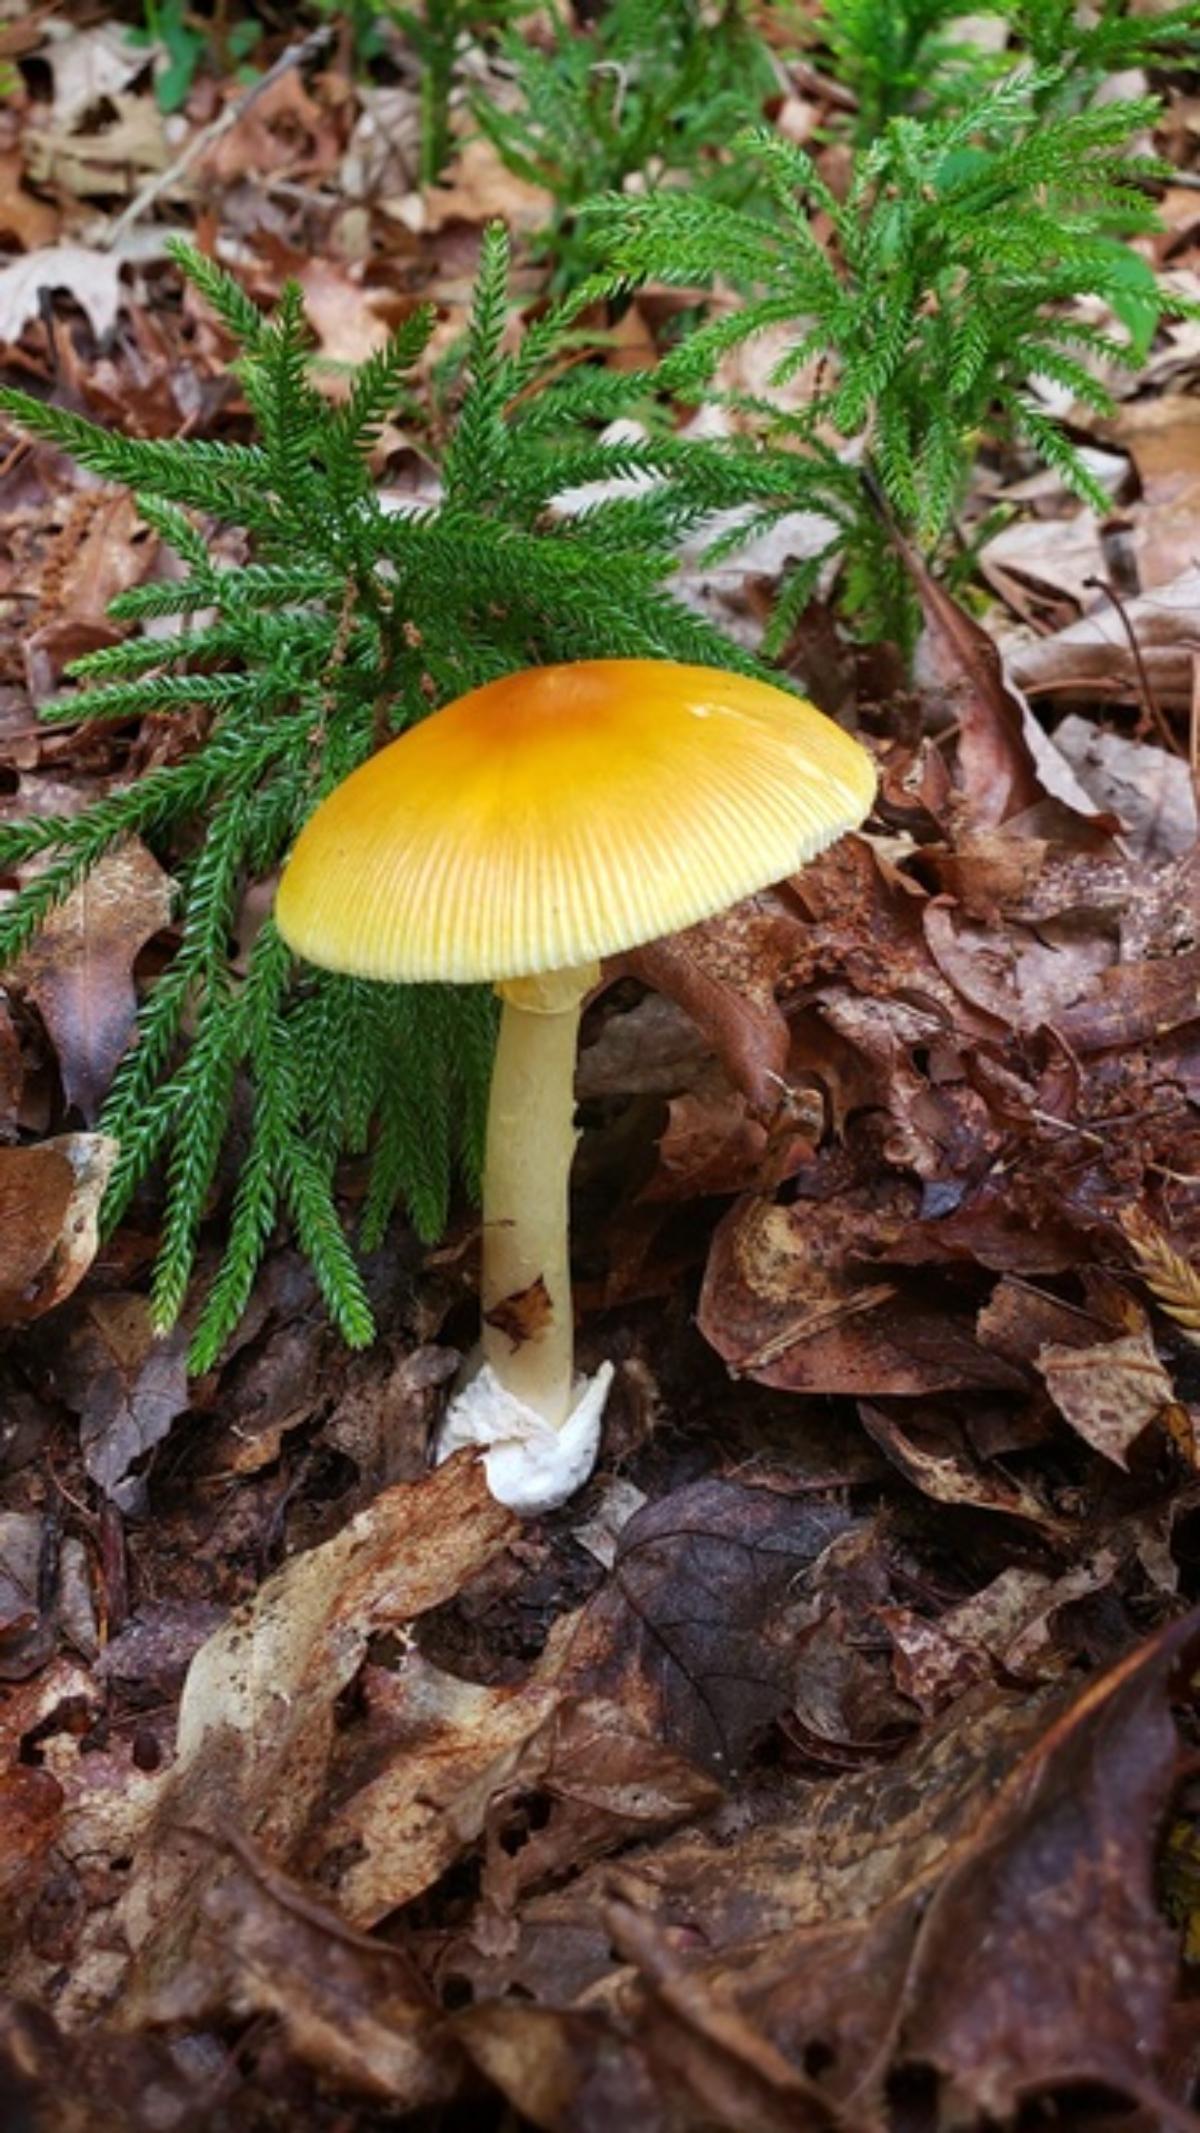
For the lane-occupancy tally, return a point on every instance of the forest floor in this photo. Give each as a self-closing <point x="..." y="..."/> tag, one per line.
<point x="826" y="1762"/>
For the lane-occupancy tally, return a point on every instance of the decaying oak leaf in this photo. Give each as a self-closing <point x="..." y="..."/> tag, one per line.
<point x="564" y="2070"/>
<point x="50" y="1197"/>
<point x="447" y="1762"/>
<point x="1073" y="1983"/>
<point x="414" y="1788"/>
<point x="79" y="970"/>
<point x="932" y="1452"/>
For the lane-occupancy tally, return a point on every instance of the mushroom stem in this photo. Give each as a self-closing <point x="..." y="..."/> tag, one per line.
<point x="528" y="1324"/>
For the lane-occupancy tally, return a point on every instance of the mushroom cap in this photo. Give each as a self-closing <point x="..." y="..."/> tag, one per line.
<point x="563" y="814"/>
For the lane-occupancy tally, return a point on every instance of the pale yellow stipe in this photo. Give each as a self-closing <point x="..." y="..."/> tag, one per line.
<point x="564" y="813"/>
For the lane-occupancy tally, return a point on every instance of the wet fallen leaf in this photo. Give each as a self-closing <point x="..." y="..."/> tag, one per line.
<point x="781" y="1303"/>
<point x="692" y="1632"/>
<point x="934" y="1454"/>
<point x="351" y="2007"/>
<point x="792" y="1972"/>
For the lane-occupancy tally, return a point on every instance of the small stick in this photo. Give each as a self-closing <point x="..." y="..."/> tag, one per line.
<point x="1151" y="709"/>
<point x="296" y="55"/>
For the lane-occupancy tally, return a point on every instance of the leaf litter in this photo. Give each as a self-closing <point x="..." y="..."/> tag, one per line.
<point x="830" y="1764"/>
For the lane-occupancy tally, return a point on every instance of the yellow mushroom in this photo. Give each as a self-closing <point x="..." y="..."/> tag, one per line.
<point x="518" y="835"/>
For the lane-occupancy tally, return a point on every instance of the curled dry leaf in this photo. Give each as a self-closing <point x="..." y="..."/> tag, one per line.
<point x="724" y="974"/>
<point x="49" y="1210"/>
<point x="79" y="970"/>
<point x="257" y="1721"/>
<point x="92" y="278"/>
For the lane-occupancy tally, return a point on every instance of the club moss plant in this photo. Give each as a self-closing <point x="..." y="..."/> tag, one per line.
<point x="249" y="1081"/>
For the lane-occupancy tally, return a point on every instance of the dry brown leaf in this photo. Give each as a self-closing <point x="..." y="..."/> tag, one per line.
<point x="49" y="1210"/>
<point x="1111" y="1393"/>
<point x="283" y="130"/>
<point x="478" y="187"/>
<point x="96" y="555"/>
<point x="93" y="166"/>
<point x="92" y="278"/>
<point x="29" y="223"/>
<point x="79" y="970"/>
<point x="1149" y="790"/>
<point x="1093" y="658"/>
<point x="89" y="65"/>
<point x="257" y="1720"/>
<point x="347" y="326"/>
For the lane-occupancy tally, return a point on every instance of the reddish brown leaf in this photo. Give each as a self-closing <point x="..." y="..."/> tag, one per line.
<point x="781" y="1304"/>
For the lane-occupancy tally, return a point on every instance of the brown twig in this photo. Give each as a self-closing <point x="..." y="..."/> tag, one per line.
<point x="1151" y="710"/>
<point x="296" y="55"/>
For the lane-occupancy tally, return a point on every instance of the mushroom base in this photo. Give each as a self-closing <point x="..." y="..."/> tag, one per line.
<point x="531" y="1466"/>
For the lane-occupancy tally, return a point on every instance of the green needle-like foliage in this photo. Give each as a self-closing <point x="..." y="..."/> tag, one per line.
<point x="1087" y="44"/>
<point x="942" y="285"/>
<point x="652" y="89"/>
<point x="437" y="33"/>
<point x="902" y="56"/>
<point x="894" y="54"/>
<point x="347" y="623"/>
